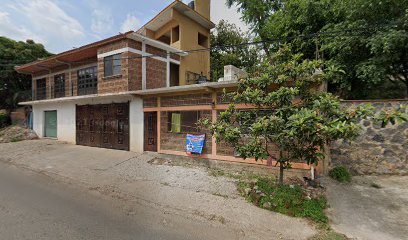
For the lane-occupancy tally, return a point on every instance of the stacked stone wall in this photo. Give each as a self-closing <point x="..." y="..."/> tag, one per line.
<point x="377" y="150"/>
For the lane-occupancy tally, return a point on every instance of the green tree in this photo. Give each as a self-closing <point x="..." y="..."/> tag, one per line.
<point x="290" y="113"/>
<point x="374" y="55"/>
<point x="256" y="14"/>
<point x="377" y="56"/>
<point x="13" y="53"/>
<point x="234" y="52"/>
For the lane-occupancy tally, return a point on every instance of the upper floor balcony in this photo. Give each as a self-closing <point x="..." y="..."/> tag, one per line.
<point x="67" y="84"/>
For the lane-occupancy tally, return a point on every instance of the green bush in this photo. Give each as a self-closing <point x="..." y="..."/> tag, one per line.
<point x="340" y="173"/>
<point x="4" y="120"/>
<point x="290" y="200"/>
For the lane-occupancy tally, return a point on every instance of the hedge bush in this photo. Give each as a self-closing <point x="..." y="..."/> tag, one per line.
<point x="340" y="173"/>
<point x="4" y="120"/>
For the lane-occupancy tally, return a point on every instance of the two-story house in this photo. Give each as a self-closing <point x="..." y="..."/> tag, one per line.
<point x="137" y="91"/>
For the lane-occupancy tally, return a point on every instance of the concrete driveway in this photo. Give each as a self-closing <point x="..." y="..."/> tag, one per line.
<point x="371" y="207"/>
<point x="130" y="178"/>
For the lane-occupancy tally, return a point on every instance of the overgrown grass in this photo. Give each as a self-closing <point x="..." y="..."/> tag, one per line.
<point x="217" y="173"/>
<point x="340" y="173"/>
<point x="329" y="235"/>
<point x="289" y="200"/>
<point x="286" y="199"/>
<point x="4" y="120"/>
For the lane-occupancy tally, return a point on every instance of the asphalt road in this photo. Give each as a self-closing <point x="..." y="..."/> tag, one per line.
<point x="33" y="206"/>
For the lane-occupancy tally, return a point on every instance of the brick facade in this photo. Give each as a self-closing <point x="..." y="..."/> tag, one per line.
<point x="156" y="73"/>
<point x="74" y="79"/>
<point x="118" y="83"/>
<point x="130" y="77"/>
<point x="113" y="46"/>
<point x="135" y="72"/>
<point x="177" y="141"/>
<point x="187" y="100"/>
<point x="150" y="102"/>
<point x="156" y="51"/>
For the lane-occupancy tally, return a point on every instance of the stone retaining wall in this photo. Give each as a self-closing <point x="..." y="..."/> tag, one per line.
<point x="378" y="150"/>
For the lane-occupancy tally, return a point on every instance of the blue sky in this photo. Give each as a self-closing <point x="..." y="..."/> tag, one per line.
<point x="61" y="25"/>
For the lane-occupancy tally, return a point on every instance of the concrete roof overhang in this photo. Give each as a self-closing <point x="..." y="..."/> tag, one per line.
<point x="87" y="53"/>
<point x="204" y="87"/>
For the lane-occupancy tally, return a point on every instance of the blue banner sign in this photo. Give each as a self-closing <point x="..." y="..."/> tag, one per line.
<point x="195" y="143"/>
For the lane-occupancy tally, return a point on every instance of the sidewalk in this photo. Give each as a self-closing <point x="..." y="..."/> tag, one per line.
<point x="129" y="177"/>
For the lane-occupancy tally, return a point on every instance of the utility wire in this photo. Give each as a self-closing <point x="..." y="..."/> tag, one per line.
<point x="326" y="34"/>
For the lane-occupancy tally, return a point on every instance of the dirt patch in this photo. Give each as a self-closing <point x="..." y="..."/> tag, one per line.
<point x="16" y="134"/>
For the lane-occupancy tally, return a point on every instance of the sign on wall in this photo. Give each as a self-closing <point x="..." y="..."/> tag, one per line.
<point x="195" y="143"/>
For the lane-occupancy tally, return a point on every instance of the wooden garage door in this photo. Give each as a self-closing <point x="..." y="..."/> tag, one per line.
<point x="104" y="125"/>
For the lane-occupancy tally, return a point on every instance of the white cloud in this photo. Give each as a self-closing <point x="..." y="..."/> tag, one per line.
<point x="219" y="11"/>
<point x="10" y="30"/>
<point x="131" y="23"/>
<point x="102" y="21"/>
<point x="47" y="17"/>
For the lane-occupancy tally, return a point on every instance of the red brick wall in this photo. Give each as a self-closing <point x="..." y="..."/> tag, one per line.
<point x="134" y="44"/>
<point x="177" y="141"/>
<point x="135" y="72"/>
<point x="113" y="46"/>
<point x="150" y="102"/>
<point x="187" y="100"/>
<point x="117" y="83"/>
<point x="74" y="79"/>
<point x="156" y="73"/>
<point x="156" y="51"/>
<point x="131" y="75"/>
<point x="114" y="84"/>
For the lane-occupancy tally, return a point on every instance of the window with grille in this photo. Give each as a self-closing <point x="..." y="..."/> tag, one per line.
<point x="59" y="85"/>
<point x="87" y="81"/>
<point x="41" y="89"/>
<point x="113" y="65"/>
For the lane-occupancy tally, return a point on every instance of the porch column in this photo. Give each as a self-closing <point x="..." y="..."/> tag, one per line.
<point x="158" y="124"/>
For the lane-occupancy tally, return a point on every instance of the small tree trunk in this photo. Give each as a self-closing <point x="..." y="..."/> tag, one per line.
<point x="281" y="174"/>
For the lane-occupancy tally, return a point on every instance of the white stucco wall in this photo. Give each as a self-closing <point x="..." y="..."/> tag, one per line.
<point x="66" y="127"/>
<point x="136" y="125"/>
<point x="65" y="120"/>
